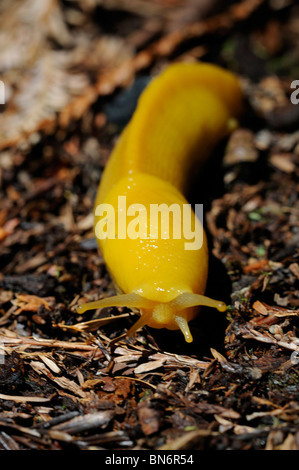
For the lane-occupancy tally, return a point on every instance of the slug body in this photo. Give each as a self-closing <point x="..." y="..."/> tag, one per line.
<point x="179" y="118"/>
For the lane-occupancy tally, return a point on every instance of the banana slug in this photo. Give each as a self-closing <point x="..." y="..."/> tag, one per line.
<point x="179" y="118"/>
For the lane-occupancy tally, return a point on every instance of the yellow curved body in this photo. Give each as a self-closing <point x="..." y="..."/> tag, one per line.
<point x="180" y="116"/>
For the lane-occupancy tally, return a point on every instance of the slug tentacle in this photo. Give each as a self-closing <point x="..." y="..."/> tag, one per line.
<point x="184" y="327"/>
<point x="142" y="321"/>
<point x="157" y="314"/>
<point x="187" y="300"/>
<point x="124" y="300"/>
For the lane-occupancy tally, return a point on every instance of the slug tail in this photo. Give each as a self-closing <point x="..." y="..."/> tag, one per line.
<point x="124" y="300"/>
<point x="192" y="300"/>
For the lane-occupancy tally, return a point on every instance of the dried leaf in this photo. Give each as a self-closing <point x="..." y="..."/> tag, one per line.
<point x="30" y="303"/>
<point x="149" y="418"/>
<point x="240" y="148"/>
<point x="24" y="399"/>
<point x="42" y="81"/>
<point x="88" y="422"/>
<point x="283" y="162"/>
<point x="148" y="366"/>
<point x="265" y="309"/>
<point x="93" y="325"/>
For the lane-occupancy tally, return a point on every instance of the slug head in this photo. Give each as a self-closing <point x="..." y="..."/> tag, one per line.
<point x="173" y="315"/>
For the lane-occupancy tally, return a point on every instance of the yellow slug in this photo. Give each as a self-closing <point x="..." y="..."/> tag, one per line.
<point x="179" y="118"/>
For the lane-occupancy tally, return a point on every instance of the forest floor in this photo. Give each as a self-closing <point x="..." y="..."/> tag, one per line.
<point x="68" y="381"/>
